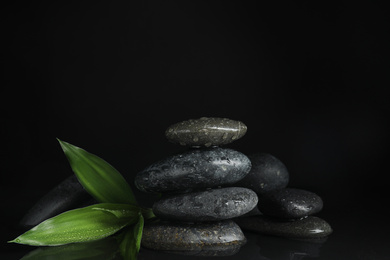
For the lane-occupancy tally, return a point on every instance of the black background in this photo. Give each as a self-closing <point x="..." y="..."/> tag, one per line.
<point x="308" y="79"/>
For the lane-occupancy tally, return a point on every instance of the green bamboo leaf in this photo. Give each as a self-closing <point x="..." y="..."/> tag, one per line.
<point x="130" y="243"/>
<point x="127" y="211"/>
<point x="147" y="213"/>
<point x="80" y="225"/>
<point x="98" y="177"/>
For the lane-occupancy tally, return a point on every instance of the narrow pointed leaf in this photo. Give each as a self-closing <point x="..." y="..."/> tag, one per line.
<point x="79" y="225"/>
<point x="147" y="213"/>
<point x="130" y="243"/>
<point x="98" y="177"/>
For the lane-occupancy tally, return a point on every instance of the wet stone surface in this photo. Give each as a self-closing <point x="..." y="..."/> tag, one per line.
<point x="210" y="205"/>
<point x="205" y="131"/>
<point x="267" y="173"/>
<point x="211" y="251"/>
<point x="307" y="228"/>
<point x="168" y="236"/>
<point x="197" y="168"/>
<point x="290" y="203"/>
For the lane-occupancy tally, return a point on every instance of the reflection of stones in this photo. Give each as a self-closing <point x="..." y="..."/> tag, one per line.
<point x="205" y="131"/>
<point x="290" y="203"/>
<point x="267" y="173"/>
<point x="170" y="236"/>
<point x="210" y="205"/>
<point x="310" y="227"/>
<point x="219" y="250"/>
<point x="288" y="249"/>
<point x="194" y="169"/>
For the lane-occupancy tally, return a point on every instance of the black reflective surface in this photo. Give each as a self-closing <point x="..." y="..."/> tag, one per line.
<point x="308" y="78"/>
<point x="357" y="234"/>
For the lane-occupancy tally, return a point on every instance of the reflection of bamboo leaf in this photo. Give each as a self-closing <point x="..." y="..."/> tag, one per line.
<point x="103" y="249"/>
<point x="130" y="241"/>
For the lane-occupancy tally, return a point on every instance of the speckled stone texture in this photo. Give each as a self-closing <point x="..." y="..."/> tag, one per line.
<point x="169" y="236"/>
<point x="197" y="168"/>
<point x="205" y="131"/>
<point x="267" y="173"/>
<point x="210" y="205"/>
<point x="307" y="228"/>
<point x="290" y="203"/>
<point x="212" y="251"/>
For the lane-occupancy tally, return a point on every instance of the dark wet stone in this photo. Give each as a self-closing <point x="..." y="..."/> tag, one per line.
<point x="267" y="173"/>
<point x="210" y="205"/>
<point x="290" y="203"/>
<point x="254" y="212"/>
<point x="171" y="236"/>
<point x="67" y="195"/>
<point x="205" y="131"/>
<point x="310" y="227"/>
<point x="200" y="168"/>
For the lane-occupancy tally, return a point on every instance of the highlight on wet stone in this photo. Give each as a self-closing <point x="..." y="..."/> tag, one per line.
<point x="290" y="203"/>
<point x="194" y="169"/>
<point x="209" y="205"/>
<point x="206" y="132"/>
<point x="164" y="235"/>
<point x="307" y="228"/>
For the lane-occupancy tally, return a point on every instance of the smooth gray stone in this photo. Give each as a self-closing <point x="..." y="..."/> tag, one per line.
<point x="205" y="131"/>
<point x="210" y="205"/>
<point x="267" y="173"/>
<point x="290" y="203"/>
<point x="171" y="236"/>
<point x="197" y="168"/>
<point x="310" y="227"/>
<point x="67" y="195"/>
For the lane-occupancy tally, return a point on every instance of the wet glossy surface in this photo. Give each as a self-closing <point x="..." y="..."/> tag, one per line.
<point x="310" y="227"/>
<point x="210" y="205"/>
<point x="290" y="203"/>
<point x="196" y="168"/>
<point x="205" y="131"/>
<point x="67" y="195"/>
<point x="166" y="235"/>
<point x="267" y="173"/>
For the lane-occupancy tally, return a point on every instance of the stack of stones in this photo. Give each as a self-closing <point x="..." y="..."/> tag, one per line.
<point x="199" y="197"/>
<point x="281" y="211"/>
<point x="210" y="194"/>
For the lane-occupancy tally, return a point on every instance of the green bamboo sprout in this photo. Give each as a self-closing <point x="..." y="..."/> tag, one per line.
<point x="117" y="210"/>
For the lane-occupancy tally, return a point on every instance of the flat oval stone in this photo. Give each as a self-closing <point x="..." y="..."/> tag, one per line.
<point x="198" y="168"/>
<point x="171" y="236"/>
<point x="310" y="227"/>
<point x="267" y="173"/>
<point x="290" y="203"/>
<point x="210" y="205"/>
<point x="205" y="131"/>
